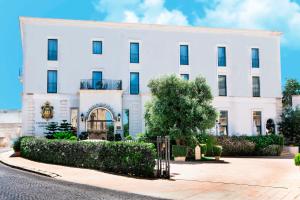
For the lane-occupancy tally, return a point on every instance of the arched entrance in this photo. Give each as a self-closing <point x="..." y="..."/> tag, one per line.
<point x="100" y="123"/>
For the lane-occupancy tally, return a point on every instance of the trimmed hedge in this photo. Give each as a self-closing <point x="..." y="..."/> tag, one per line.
<point x="179" y="151"/>
<point x="136" y="159"/>
<point x="263" y="145"/>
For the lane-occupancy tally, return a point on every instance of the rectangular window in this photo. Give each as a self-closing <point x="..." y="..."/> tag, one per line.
<point x="97" y="47"/>
<point x="184" y="55"/>
<point x="222" y="85"/>
<point x="134" y="52"/>
<point x="52" y="81"/>
<point x="97" y="80"/>
<point x="255" y="86"/>
<point x="185" y="76"/>
<point x="221" y="56"/>
<point x="257" y="122"/>
<point x="223" y="121"/>
<point x="126" y="122"/>
<point x="52" y="49"/>
<point x="255" y="57"/>
<point x="134" y="83"/>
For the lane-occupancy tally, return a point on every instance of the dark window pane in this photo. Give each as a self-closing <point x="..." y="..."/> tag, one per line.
<point x="223" y="122"/>
<point x="255" y="57"/>
<point x="52" y="49"/>
<point x="97" y="80"/>
<point x="185" y="76"/>
<point x="222" y="85"/>
<point x="221" y="56"/>
<point x="97" y="47"/>
<point x="257" y="122"/>
<point x="184" y="54"/>
<point x="134" y="53"/>
<point x="134" y="83"/>
<point x="52" y="81"/>
<point x="255" y="86"/>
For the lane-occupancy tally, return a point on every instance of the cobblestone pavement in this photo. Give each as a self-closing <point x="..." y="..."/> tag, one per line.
<point x="17" y="185"/>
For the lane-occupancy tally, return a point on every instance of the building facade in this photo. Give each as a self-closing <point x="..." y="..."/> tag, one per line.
<point x="10" y="126"/>
<point x="95" y="74"/>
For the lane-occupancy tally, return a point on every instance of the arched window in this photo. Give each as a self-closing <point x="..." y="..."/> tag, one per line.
<point x="100" y="120"/>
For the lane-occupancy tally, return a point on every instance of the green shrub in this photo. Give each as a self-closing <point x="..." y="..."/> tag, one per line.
<point x="271" y="150"/>
<point x="128" y="137"/>
<point x="67" y="135"/>
<point x="217" y="150"/>
<point x="17" y="143"/>
<point x="137" y="159"/>
<point x="203" y="148"/>
<point x="297" y="159"/>
<point x="234" y="146"/>
<point x="179" y="151"/>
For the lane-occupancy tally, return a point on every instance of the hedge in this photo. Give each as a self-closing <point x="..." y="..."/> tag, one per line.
<point x="136" y="159"/>
<point x="264" y="145"/>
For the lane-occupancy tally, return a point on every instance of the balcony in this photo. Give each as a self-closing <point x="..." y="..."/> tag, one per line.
<point x="104" y="84"/>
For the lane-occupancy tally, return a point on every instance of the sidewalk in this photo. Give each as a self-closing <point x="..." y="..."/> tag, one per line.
<point x="241" y="178"/>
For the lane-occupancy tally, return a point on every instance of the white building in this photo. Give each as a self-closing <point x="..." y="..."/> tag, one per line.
<point x="296" y="101"/>
<point x="92" y="72"/>
<point x="10" y="126"/>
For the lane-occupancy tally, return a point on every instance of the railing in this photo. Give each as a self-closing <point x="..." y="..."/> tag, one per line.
<point x="104" y="84"/>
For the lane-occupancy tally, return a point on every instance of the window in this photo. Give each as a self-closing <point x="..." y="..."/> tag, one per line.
<point x="97" y="47"/>
<point x="52" y="81"/>
<point x="184" y="55"/>
<point x="257" y="122"/>
<point x="52" y="49"/>
<point x="223" y="121"/>
<point x="222" y="85"/>
<point x="97" y="80"/>
<point x="134" y="83"/>
<point x="74" y="118"/>
<point x="126" y="122"/>
<point x="255" y="57"/>
<point x="221" y="56"/>
<point x="134" y="52"/>
<point x="255" y="86"/>
<point x="185" y="76"/>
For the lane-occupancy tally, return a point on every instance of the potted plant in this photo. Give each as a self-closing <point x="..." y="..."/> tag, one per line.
<point x="217" y="149"/>
<point x="297" y="159"/>
<point x="179" y="152"/>
<point x="17" y="146"/>
<point x="203" y="149"/>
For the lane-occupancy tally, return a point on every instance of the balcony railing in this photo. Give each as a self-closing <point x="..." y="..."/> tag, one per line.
<point x="104" y="84"/>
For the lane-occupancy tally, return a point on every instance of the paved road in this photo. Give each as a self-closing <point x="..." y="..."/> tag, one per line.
<point x="17" y="185"/>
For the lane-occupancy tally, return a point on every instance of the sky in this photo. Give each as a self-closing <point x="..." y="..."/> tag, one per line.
<point x="276" y="15"/>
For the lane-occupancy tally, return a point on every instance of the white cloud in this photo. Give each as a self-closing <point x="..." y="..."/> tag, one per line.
<point x="279" y="15"/>
<point x="145" y="11"/>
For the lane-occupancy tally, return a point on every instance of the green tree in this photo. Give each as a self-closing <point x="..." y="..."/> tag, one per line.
<point x="292" y="87"/>
<point x="51" y="128"/>
<point x="65" y="126"/>
<point x="179" y="108"/>
<point x="290" y="125"/>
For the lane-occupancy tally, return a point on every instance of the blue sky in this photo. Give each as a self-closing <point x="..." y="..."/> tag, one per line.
<point x="279" y="15"/>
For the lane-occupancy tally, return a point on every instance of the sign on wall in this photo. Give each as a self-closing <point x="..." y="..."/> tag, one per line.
<point x="47" y="111"/>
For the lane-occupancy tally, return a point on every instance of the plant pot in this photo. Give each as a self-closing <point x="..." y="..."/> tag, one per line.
<point x="181" y="159"/>
<point x="217" y="157"/>
<point x="17" y="154"/>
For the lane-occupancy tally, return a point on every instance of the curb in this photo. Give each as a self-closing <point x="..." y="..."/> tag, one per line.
<point x="39" y="172"/>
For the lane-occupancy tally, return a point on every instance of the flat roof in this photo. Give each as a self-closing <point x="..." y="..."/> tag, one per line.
<point x="140" y="26"/>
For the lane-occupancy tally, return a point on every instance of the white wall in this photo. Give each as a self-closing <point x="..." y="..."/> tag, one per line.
<point x="296" y="101"/>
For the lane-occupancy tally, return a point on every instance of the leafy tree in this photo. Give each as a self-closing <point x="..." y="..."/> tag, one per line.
<point x="179" y="108"/>
<point x="292" y="87"/>
<point x="290" y="125"/>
